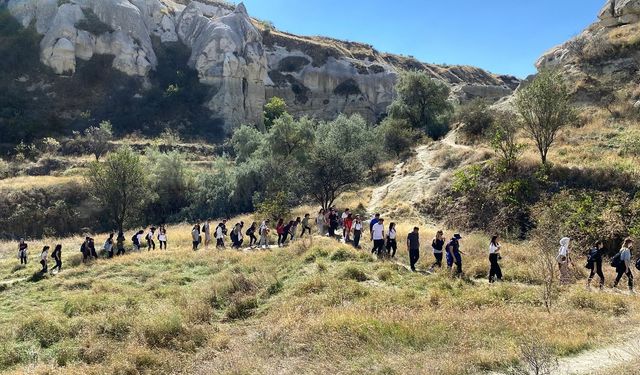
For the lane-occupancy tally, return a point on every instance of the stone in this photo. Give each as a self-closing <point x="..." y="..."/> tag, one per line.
<point x="85" y="45"/>
<point x="62" y="57"/>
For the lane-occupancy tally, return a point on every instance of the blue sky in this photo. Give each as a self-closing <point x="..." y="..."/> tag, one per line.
<point x="503" y="36"/>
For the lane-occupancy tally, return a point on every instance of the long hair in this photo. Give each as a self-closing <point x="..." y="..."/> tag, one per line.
<point x="392" y="226"/>
<point x="494" y="240"/>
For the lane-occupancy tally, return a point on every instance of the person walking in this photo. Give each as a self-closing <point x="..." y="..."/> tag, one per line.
<point x="377" y="235"/>
<point x="285" y="232"/>
<point x="206" y="228"/>
<point x="624" y="265"/>
<point x="374" y="220"/>
<point x="23" y="250"/>
<point x="495" y="272"/>
<point x="195" y="237"/>
<point x="85" y="250"/>
<point x="162" y="237"/>
<point x="151" y="244"/>
<point x="437" y="245"/>
<point x="280" y="231"/>
<point x="137" y="240"/>
<point x="413" y="246"/>
<point x="454" y="254"/>
<point x="306" y="226"/>
<point x="333" y="223"/>
<point x="294" y="228"/>
<point x="594" y="263"/>
<point x="108" y="246"/>
<point x="236" y="235"/>
<point x="264" y="234"/>
<point x="320" y="221"/>
<point x="44" y="259"/>
<point x="344" y="217"/>
<point x="92" y="248"/>
<point x="392" y="244"/>
<point x="220" y="233"/>
<point x="357" y="231"/>
<point x="57" y="256"/>
<point x="251" y="232"/>
<point x="120" y="243"/>
<point x="347" y="223"/>
<point x="564" y="260"/>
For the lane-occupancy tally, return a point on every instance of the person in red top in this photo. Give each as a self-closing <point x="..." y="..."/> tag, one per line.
<point x="280" y="231"/>
<point x="347" y="223"/>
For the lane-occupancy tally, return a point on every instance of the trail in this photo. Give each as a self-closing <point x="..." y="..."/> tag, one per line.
<point x="414" y="180"/>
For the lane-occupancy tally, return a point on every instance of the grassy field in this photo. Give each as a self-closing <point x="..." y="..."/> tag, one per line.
<point x="316" y="306"/>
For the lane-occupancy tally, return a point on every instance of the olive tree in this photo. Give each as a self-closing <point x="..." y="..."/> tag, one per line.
<point x="119" y="185"/>
<point x="545" y="108"/>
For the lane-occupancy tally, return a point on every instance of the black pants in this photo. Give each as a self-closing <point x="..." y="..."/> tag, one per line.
<point x="23" y="259"/>
<point x="597" y="270"/>
<point x="378" y="247"/>
<point x="621" y="272"/>
<point x="219" y="243"/>
<point x="495" y="270"/>
<point x="44" y="266"/>
<point x="110" y="252"/>
<point x="252" y="239"/>
<point x="237" y="243"/>
<point x="195" y="245"/>
<point x="438" y="262"/>
<point x="282" y="238"/>
<point x="58" y="264"/>
<point x="414" y="255"/>
<point x="356" y="238"/>
<point x="120" y="251"/>
<point x="163" y="244"/>
<point x="151" y="245"/>
<point x="332" y="230"/>
<point x="304" y="229"/>
<point x="392" y="247"/>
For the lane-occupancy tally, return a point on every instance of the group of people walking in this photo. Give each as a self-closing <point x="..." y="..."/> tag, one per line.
<point x="621" y="262"/>
<point x="348" y="228"/>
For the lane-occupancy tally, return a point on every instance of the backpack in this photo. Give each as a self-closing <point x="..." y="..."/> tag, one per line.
<point x="250" y="231"/>
<point x="615" y="261"/>
<point x="134" y="239"/>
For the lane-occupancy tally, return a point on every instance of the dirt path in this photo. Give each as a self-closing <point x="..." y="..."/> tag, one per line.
<point x="414" y="180"/>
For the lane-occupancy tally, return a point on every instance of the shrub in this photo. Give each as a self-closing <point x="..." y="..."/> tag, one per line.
<point x="476" y="118"/>
<point x="241" y="308"/>
<point x="162" y="329"/>
<point x="354" y="273"/>
<point x="43" y="329"/>
<point x="342" y="255"/>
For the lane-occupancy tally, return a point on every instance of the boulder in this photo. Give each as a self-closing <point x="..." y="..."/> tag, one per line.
<point x="619" y="12"/>
<point x="61" y="57"/>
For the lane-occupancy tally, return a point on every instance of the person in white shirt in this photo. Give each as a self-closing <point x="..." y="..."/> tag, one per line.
<point x="357" y="231"/>
<point x="495" y="272"/>
<point x="392" y="244"/>
<point x="564" y="260"/>
<point x="151" y="244"/>
<point x="162" y="237"/>
<point x="345" y="215"/>
<point x="44" y="259"/>
<point x="220" y="236"/>
<point x="139" y="237"/>
<point x="320" y="220"/>
<point x="377" y="235"/>
<point x="264" y="234"/>
<point x="195" y="236"/>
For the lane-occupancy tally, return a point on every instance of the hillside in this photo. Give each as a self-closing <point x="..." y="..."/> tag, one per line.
<point x="202" y="68"/>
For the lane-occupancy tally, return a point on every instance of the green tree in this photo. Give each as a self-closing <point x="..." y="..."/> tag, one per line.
<point x="172" y="184"/>
<point x="279" y="206"/>
<point x="397" y="136"/>
<point x="119" y="185"/>
<point x="504" y="139"/>
<point x="289" y="138"/>
<point x="476" y="117"/>
<point x="97" y="139"/>
<point x="245" y="141"/>
<point x="274" y="109"/>
<point x="422" y="102"/>
<point x="213" y="196"/>
<point x="545" y="108"/>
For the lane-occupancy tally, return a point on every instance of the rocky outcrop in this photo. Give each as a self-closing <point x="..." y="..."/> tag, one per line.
<point x="242" y="61"/>
<point x="619" y="12"/>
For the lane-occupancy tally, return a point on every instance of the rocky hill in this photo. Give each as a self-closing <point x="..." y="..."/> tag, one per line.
<point x="240" y="63"/>
<point x="603" y="61"/>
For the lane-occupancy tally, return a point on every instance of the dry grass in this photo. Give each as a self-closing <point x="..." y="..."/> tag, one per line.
<point x="30" y="182"/>
<point x="314" y="307"/>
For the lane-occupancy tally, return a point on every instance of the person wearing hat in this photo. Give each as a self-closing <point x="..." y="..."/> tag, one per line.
<point x="377" y="235"/>
<point x="454" y="254"/>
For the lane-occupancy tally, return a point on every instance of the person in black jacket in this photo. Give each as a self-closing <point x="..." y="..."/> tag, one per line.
<point x="594" y="263"/>
<point x="57" y="256"/>
<point x="85" y="250"/>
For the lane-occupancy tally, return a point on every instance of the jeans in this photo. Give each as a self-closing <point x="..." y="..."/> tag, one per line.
<point x="457" y="259"/>
<point x="495" y="270"/>
<point x="304" y="229"/>
<point x="621" y="272"/>
<point x="378" y="247"/>
<point x="356" y="238"/>
<point x="392" y="247"/>
<point x="597" y="270"/>
<point x="438" y="262"/>
<point x="414" y="255"/>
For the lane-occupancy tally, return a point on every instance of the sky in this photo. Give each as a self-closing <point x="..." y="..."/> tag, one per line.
<point x="502" y="36"/>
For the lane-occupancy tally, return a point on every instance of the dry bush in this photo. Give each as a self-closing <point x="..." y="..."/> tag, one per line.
<point x="536" y="358"/>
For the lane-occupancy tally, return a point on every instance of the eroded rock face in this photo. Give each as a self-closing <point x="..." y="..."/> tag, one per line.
<point x="619" y="12"/>
<point x="244" y="65"/>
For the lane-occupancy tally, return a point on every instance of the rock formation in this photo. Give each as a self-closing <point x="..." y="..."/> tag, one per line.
<point x="244" y="62"/>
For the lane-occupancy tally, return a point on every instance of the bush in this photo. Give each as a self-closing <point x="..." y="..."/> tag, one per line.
<point x="162" y="329"/>
<point x="354" y="273"/>
<point x="476" y="118"/>
<point x="43" y="329"/>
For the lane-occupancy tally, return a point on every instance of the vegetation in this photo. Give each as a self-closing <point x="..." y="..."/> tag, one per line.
<point x="120" y="186"/>
<point x="274" y="108"/>
<point x="423" y="103"/>
<point x="476" y="118"/>
<point x="545" y="108"/>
